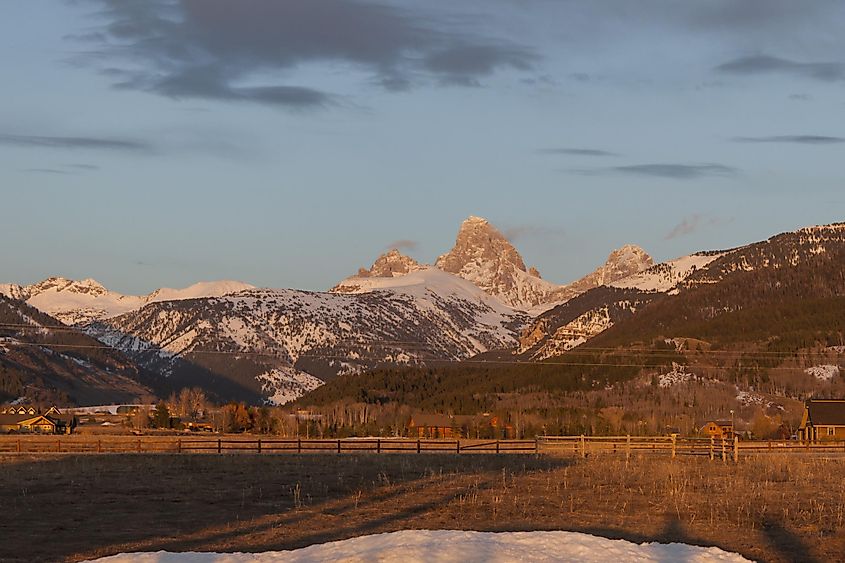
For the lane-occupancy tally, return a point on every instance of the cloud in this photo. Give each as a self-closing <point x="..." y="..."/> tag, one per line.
<point x="207" y="49"/>
<point x="519" y="232"/>
<point x="800" y="139"/>
<point x="673" y="171"/>
<point x="55" y="171"/>
<point x="576" y="152"/>
<point x="403" y="244"/>
<point x="82" y="166"/>
<point x="692" y="223"/>
<point x="72" y="143"/>
<point x="765" y="64"/>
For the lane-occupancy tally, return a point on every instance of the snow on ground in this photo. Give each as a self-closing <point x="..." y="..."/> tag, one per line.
<point x="286" y="384"/>
<point x="448" y="546"/>
<point x="663" y="277"/>
<point x="824" y="372"/>
<point x="678" y="375"/>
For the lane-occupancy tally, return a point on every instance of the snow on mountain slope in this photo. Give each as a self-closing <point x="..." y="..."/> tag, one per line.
<point x="78" y="302"/>
<point x="279" y="335"/>
<point x="667" y="275"/>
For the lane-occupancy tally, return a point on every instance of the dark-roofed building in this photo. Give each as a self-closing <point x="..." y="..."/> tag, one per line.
<point x="824" y="419"/>
<point x="29" y="420"/>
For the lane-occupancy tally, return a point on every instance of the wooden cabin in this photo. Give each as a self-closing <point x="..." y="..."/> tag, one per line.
<point x="432" y="426"/>
<point x="719" y="429"/>
<point x="824" y="419"/>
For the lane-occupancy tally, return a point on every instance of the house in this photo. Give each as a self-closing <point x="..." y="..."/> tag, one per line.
<point x="432" y="426"/>
<point x="30" y="420"/>
<point x="26" y="423"/>
<point x="824" y="419"/>
<point x="458" y="426"/>
<point x="719" y="429"/>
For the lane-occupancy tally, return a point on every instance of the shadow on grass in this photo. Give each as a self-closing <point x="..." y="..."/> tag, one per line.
<point x="101" y="505"/>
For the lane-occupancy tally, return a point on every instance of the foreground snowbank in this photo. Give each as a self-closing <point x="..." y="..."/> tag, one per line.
<point x="459" y="547"/>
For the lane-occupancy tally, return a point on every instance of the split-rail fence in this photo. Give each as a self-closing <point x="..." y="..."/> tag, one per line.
<point x="583" y="446"/>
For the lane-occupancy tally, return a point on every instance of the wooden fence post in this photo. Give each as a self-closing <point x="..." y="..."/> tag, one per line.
<point x="712" y="447"/>
<point x="419" y="449"/>
<point x="583" y="446"/>
<point x="724" y="450"/>
<point x="219" y="446"/>
<point x="19" y="445"/>
<point x="673" y="446"/>
<point x="259" y="445"/>
<point x="497" y="446"/>
<point x="179" y="446"/>
<point x="458" y="446"/>
<point x="299" y="445"/>
<point x="628" y="448"/>
<point x="536" y="445"/>
<point x="59" y="446"/>
<point x="99" y="446"/>
<point x="736" y="449"/>
<point x="139" y="445"/>
<point x="378" y="445"/>
<point x="338" y="445"/>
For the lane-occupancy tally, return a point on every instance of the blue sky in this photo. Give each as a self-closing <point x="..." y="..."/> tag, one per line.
<point x="286" y="144"/>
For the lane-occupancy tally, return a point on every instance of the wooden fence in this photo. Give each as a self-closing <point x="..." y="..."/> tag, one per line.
<point x="711" y="447"/>
<point x="178" y="445"/>
<point x="583" y="446"/>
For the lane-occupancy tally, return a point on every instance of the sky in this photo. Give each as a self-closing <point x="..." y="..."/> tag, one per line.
<point x="286" y="143"/>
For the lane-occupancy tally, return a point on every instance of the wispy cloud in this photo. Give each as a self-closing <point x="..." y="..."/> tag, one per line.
<point x="693" y="223"/>
<point x="800" y="139"/>
<point x="55" y="171"/>
<point x="576" y="151"/>
<point x="659" y="170"/>
<point x="765" y="64"/>
<point x="520" y="232"/>
<point x="403" y="244"/>
<point x="71" y="143"/>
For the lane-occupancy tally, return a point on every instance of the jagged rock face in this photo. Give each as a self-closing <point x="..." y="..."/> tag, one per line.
<point x="621" y="264"/>
<point x="483" y="256"/>
<point x="391" y="265"/>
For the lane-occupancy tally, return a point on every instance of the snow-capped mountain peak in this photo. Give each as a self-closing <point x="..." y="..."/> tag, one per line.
<point x="79" y="302"/>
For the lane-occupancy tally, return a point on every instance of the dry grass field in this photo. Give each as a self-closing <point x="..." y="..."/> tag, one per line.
<point x="72" y="507"/>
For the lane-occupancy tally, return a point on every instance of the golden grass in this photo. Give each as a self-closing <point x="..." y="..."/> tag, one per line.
<point x="769" y="507"/>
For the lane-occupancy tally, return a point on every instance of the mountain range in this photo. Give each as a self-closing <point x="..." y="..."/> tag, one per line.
<point x="478" y="300"/>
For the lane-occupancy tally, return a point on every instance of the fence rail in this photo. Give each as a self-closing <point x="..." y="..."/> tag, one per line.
<point x="584" y="446"/>
<point x="176" y="445"/>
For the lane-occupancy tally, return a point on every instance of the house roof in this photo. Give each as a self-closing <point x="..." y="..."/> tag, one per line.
<point x="435" y="420"/>
<point x="9" y="419"/>
<point x="28" y="419"/>
<point x="826" y="413"/>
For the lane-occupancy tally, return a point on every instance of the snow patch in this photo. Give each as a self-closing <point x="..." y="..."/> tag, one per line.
<point x="283" y="386"/>
<point x="449" y="546"/>
<point x="825" y="372"/>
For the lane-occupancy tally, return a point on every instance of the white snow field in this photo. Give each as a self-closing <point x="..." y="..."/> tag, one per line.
<point x="448" y="546"/>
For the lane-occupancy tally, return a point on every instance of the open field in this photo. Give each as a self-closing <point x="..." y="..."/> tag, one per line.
<point x="70" y="507"/>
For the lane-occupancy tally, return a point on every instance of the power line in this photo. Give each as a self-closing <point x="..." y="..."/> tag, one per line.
<point x="381" y="360"/>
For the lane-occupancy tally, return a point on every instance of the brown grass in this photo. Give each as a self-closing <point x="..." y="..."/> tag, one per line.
<point x="770" y="508"/>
